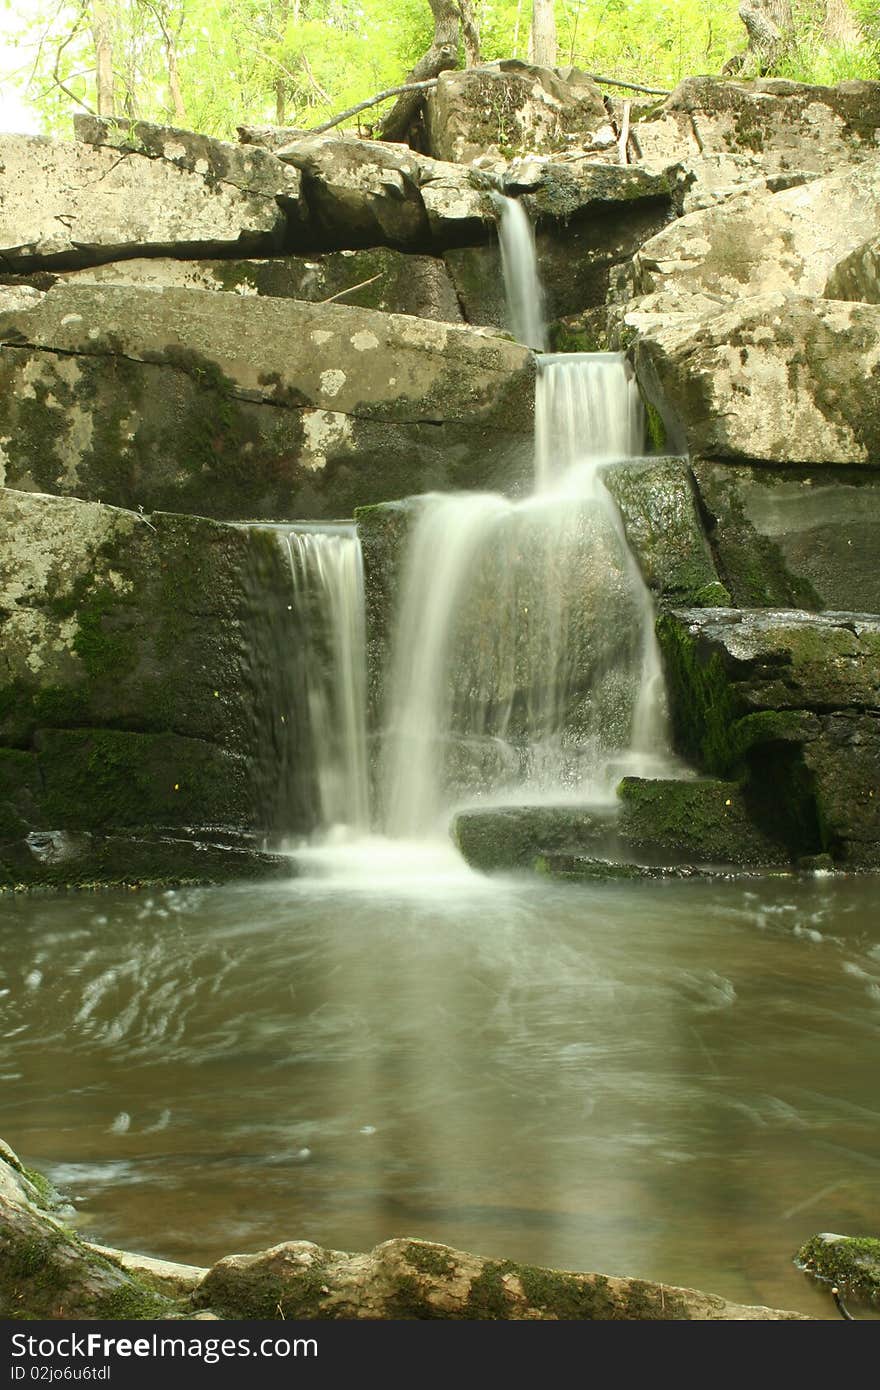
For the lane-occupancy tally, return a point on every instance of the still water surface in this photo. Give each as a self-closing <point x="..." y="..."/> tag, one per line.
<point x="674" y="1080"/>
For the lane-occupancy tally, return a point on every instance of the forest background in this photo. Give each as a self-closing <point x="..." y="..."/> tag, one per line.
<point x="211" y="65"/>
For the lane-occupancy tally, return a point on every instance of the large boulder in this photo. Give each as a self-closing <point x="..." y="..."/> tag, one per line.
<point x="73" y="204"/>
<point x="659" y="507"/>
<point x="775" y="378"/>
<point x="659" y="824"/>
<point x="367" y="193"/>
<point x="792" y="701"/>
<point x="789" y="242"/>
<point x="137" y="687"/>
<point x="511" y="108"/>
<point x="790" y="126"/>
<point x="280" y="409"/>
<point x="378" y="278"/>
<point x="796" y="537"/>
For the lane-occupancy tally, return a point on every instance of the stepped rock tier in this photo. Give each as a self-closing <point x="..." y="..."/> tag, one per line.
<point x="204" y="344"/>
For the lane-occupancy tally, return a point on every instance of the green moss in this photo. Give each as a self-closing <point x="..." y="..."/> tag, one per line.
<point x="46" y="1193"/>
<point x="488" y="1299"/>
<point x="705" y="706"/>
<point x="429" y="1259"/>
<point x="851" y="1262"/>
<point x="656" y="428"/>
<point x="132" y="1303"/>
<point x="409" y="1302"/>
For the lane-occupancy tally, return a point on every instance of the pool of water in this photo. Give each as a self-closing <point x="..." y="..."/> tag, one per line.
<point x="675" y="1080"/>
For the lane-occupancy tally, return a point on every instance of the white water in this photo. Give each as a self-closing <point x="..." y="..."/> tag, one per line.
<point x="519" y="264"/>
<point x="525" y="666"/>
<point x="328" y="581"/>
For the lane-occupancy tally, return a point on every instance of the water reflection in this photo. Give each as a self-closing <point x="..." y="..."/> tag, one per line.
<point x="675" y="1080"/>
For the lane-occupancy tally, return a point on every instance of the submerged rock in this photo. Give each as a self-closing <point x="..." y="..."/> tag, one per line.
<point x="850" y="1262"/>
<point x="659" y="824"/>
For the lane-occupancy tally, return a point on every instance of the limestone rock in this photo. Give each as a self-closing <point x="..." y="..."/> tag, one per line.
<point x="857" y="276"/>
<point x="789" y="125"/>
<point x="761" y="241"/>
<point x="367" y="193"/>
<point x="792" y="700"/>
<point x="249" y="168"/>
<point x="280" y="409"/>
<point x="510" y="108"/>
<point x="379" y="278"/>
<point x="74" y="204"/>
<point x="775" y="378"/>
<point x="794" y="538"/>
<point x="415" y="1279"/>
<point x="580" y="188"/>
<point x="132" y="691"/>
<point x="658" y="504"/>
<point x="361" y="192"/>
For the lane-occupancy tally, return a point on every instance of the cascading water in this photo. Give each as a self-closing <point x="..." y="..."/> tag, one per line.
<point x="525" y="664"/>
<point x="327" y="574"/>
<point x="522" y="284"/>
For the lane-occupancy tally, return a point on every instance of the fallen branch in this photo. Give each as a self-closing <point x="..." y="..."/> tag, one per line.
<point x="624" y="133"/>
<point x="373" y="101"/>
<point x="630" y="86"/>
<point x="351" y="289"/>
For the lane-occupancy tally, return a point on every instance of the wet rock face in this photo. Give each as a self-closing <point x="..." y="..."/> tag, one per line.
<point x="794" y="538"/>
<point x="132" y="691"/>
<point x="788" y="125"/>
<point x="278" y="409"/>
<point x="791" y="701"/>
<point x="510" y="108"/>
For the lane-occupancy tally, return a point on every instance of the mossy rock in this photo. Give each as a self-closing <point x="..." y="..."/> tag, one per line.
<point x="850" y="1262"/>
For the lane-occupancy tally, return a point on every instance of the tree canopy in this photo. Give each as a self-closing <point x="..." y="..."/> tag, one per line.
<point x="215" y="64"/>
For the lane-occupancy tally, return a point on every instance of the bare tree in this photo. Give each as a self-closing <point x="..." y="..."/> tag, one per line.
<point x="542" y="40"/>
<point x="161" y="12"/>
<point x="102" y="34"/>
<point x="470" y="33"/>
<point x="442" y="54"/>
<point x="770" y="27"/>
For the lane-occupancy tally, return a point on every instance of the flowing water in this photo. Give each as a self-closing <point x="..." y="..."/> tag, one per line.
<point x="671" y="1080"/>
<point x="519" y="265"/>
<point x="327" y="574"/>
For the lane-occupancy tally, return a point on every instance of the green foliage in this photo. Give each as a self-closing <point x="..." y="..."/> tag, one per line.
<point x="255" y="61"/>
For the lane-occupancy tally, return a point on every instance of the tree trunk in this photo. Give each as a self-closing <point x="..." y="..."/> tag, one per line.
<point x="542" y="43"/>
<point x="102" y="33"/>
<point x="470" y="33"/>
<point x="840" y="26"/>
<point x="770" y="27"/>
<point x="442" y="55"/>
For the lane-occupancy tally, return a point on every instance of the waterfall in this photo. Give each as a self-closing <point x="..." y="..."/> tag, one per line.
<point x="327" y="575"/>
<point x="519" y="264"/>
<point x="525" y="665"/>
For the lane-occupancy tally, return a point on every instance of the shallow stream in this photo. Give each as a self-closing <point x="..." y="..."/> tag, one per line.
<point x="677" y="1080"/>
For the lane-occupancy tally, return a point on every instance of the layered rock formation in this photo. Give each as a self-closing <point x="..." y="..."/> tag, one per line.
<point x="306" y="325"/>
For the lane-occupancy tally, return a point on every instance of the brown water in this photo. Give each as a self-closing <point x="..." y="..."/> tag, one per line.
<point x="674" y="1080"/>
